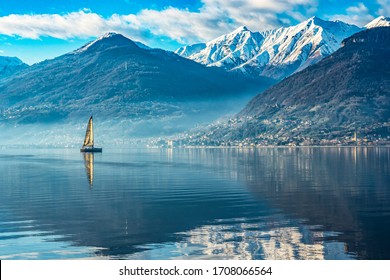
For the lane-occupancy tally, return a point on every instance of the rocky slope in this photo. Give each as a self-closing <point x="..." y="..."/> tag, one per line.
<point x="345" y="93"/>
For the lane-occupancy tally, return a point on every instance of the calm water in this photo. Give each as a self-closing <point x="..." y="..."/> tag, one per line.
<point x="268" y="203"/>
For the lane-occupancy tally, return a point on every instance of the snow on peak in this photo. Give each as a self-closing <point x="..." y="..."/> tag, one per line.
<point x="108" y="35"/>
<point x="187" y="51"/>
<point x="241" y="29"/>
<point x="238" y="33"/>
<point x="107" y="39"/>
<point x="231" y="49"/>
<point x="289" y="48"/>
<point x="315" y="20"/>
<point x="379" y="22"/>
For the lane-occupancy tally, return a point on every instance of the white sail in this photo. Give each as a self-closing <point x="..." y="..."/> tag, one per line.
<point x="88" y="140"/>
<point x="88" y="145"/>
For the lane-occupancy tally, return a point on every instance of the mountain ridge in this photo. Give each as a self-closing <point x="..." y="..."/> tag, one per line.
<point x="275" y="53"/>
<point x="347" y="92"/>
<point x="10" y="65"/>
<point x="379" y="22"/>
<point x="137" y="91"/>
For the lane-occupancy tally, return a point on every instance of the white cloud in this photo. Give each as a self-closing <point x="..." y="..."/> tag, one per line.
<point x="358" y="15"/>
<point x="384" y="8"/>
<point x="214" y="18"/>
<point x="76" y="24"/>
<point x="217" y="17"/>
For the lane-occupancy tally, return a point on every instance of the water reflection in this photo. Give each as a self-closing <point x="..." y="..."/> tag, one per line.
<point x="39" y="244"/>
<point x="278" y="243"/>
<point x="272" y="239"/>
<point x="88" y="162"/>
<point x="271" y="203"/>
<point x="344" y="190"/>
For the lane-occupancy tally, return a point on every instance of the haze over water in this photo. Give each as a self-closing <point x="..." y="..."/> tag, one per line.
<point x="264" y="203"/>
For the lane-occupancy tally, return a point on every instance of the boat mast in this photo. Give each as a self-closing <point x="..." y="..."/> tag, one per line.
<point x="88" y="140"/>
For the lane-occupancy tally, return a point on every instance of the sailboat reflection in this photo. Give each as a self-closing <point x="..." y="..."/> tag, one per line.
<point x="88" y="161"/>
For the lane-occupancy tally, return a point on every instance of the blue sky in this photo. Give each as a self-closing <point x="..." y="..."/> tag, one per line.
<point x="42" y="29"/>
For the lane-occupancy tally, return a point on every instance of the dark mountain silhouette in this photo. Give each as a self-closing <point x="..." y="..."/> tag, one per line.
<point x="114" y="79"/>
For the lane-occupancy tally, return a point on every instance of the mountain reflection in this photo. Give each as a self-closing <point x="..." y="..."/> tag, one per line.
<point x="271" y="203"/>
<point x="341" y="189"/>
<point x="279" y="243"/>
<point x="273" y="238"/>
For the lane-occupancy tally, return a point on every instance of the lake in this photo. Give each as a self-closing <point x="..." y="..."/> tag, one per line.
<point x="211" y="203"/>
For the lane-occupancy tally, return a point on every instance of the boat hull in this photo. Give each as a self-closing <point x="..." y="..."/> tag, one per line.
<point x="91" y="150"/>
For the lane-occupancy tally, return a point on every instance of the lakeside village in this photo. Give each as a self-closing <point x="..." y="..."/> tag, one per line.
<point x="284" y="141"/>
<point x="381" y="137"/>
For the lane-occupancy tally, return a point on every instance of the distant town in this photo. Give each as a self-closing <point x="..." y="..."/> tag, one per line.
<point x="207" y="138"/>
<point x="262" y="142"/>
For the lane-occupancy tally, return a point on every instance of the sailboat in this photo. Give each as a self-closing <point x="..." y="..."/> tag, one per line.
<point x="88" y="146"/>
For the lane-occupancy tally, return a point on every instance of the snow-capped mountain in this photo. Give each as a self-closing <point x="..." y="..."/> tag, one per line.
<point x="345" y="92"/>
<point x="229" y="51"/>
<point x="115" y="40"/>
<point x="9" y="65"/>
<point x="186" y="51"/>
<point x="276" y="53"/>
<point x="107" y="40"/>
<point x="379" y="22"/>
